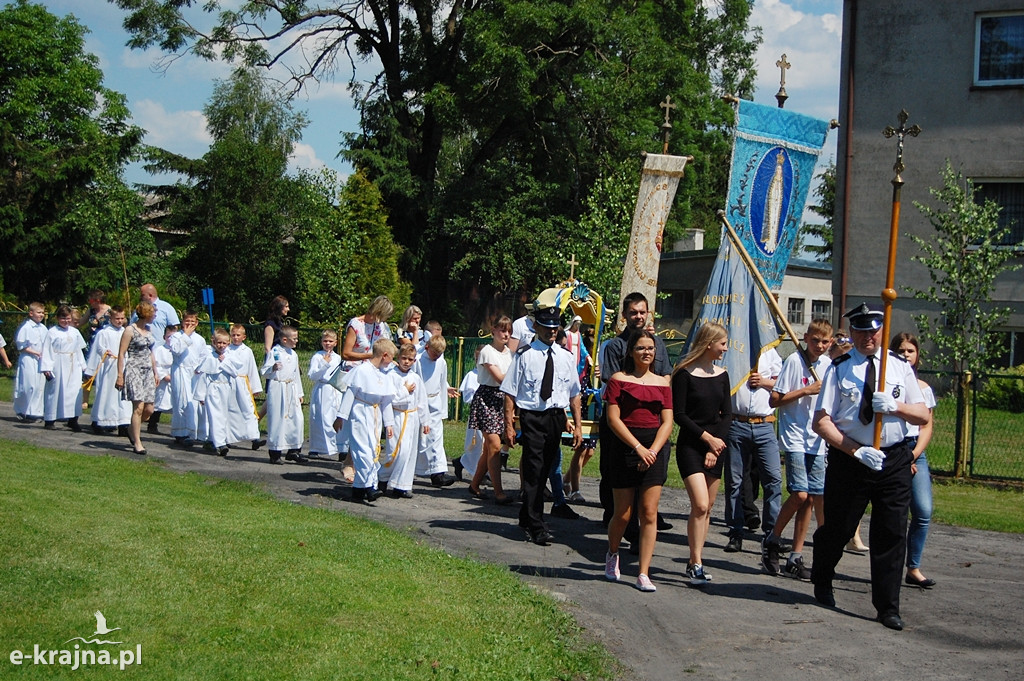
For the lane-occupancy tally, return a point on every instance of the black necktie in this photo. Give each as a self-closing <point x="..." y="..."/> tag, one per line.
<point x="870" y="382"/>
<point x="549" y="377"/>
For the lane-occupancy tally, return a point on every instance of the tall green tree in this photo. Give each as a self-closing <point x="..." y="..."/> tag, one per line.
<point x="480" y="106"/>
<point x="60" y="131"/>
<point x="963" y="260"/>
<point x="235" y="203"/>
<point x="821" y="245"/>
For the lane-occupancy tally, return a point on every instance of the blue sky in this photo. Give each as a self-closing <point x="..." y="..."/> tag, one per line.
<point x="168" y="103"/>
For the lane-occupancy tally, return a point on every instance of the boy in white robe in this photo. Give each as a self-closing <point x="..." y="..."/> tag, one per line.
<point x="409" y="406"/>
<point x="433" y="369"/>
<point x="325" y="399"/>
<point x="473" y="447"/>
<point x="285" y="423"/>
<point x="188" y="349"/>
<point x="109" y="410"/>
<point x="215" y="390"/>
<point x="29" y="383"/>
<point x="243" y="422"/>
<point x="365" y="406"/>
<point x="62" y="364"/>
<point x="164" y="360"/>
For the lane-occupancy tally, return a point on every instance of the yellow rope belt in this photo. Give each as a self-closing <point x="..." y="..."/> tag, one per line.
<point x="398" y="445"/>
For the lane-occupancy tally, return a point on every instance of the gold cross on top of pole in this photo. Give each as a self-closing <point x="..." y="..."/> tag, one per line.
<point x="781" y="95"/>
<point x="666" y="127"/>
<point x="572" y="266"/>
<point x="900" y="133"/>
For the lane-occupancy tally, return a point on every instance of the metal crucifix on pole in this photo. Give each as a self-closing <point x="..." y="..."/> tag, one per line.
<point x="889" y="292"/>
<point x="781" y="95"/>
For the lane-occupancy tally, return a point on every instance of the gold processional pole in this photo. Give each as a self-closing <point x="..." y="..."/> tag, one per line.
<point x="765" y="291"/>
<point x="889" y="292"/>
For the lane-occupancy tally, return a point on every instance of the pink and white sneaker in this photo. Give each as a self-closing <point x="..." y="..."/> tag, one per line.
<point x="611" y="567"/>
<point x="643" y="582"/>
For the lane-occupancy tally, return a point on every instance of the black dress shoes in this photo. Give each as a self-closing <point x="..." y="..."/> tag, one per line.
<point x="457" y="463"/>
<point x="541" y="537"/>
<point x="892" y="621"/>
<point x="925" y="583"/>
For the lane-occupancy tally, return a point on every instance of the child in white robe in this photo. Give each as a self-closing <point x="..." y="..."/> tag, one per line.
<point x="285" y="423"/>
<point x="409" y="406"/>
<point x="109" y="409"/>
<point x="433" y="369"/>
<point x="243" y="419"/>
<point x="325" y="399"/>
<point x="188" y="349"/>
<point x="365" y="406"/>
<point x="3" y="353"/>
<point x="62" y="364"/>
<point x="29" y="383"/>
<point x="164" y="360"/>
<point x="473" y="447"/>
<point x="215" y="389"/>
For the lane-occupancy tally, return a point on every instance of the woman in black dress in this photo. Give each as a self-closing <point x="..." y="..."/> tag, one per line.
<point x="640" y="416"/>
<point x="702" y="404"/>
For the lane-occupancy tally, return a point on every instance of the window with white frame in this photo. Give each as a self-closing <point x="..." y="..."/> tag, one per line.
<point x="821" y="309"/>
<point x="795" y="310"/>
<point x="1009" y="194"/>
<point x="999" y="48"/>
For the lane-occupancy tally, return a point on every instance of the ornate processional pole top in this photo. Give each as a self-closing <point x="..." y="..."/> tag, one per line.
<point x="781" y="95"/>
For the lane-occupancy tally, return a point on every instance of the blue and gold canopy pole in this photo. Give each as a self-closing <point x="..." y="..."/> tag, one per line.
<point x="889" y="292"/>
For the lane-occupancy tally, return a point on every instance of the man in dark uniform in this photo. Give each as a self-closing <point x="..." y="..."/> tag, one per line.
<point x="857" y="472"/>
<point x="635" y="312"/>
<point x="542" y="382"/>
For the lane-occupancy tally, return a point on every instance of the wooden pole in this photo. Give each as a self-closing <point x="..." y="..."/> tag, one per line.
<point x="889" y="292"/>
<point x="765" y="291"/>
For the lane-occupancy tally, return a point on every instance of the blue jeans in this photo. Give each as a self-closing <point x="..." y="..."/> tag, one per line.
<point x="920" y="512"/>
<point x="555" y="479"/>
<point x="753" y="444"/>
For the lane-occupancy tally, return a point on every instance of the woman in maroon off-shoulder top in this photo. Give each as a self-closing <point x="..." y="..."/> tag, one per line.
<point x="640" y="416"/>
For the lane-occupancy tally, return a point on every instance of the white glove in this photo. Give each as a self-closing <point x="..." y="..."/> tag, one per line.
<point x="870" y="457"/>
<point x="883" y="403"/>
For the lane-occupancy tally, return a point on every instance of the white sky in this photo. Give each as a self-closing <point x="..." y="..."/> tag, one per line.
<point x="169" y="104"/>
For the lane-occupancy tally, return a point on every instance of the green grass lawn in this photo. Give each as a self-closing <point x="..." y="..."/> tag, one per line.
<point x="997" y="442"/>
<point x="217" y="580"/>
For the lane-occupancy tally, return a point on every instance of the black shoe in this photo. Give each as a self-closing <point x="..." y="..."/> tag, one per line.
<point x="770" y="557"/>
<point x="477" y="494"/>
<point x="223" y="451"/>
<point x="257" y="443"/>
<point x="97" y="430"/>
<point x="152" y="429"/>
<point x="457" y="463"/>
<point x="891" y="621"/>
<point x="442" y="480"/>
<point x="753" y="523"/>
<point x="208" y="447"/>
<point x="735" y="544"/>
<point x="122" y="431"/>
<point x="925" y="583"/>
<point x="785" y="546"/>
<point x="824" y="595"/>
<point x="540" y="537"/>
<point x="295" y="455"/>
<point x="663" y="525"/>
<point x="564" y="511"/>
<point x="382" y="487"/>
<point x="372" y="495"/>
<point x="275" y="457"/>
<point x="504" y="461"/>
<point x="400" y="494"/>
<point x="49" y="425"/>
<point x="73" y="425"/>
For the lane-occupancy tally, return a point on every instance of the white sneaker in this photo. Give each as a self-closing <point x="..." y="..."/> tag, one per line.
<point x="695" y="571"/>
<point x="643" y="582"/>
<point x="576" y="497"/>
<point x="611" y="567"/>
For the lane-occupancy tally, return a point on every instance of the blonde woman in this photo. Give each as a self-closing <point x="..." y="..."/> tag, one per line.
<point x="702" y="407"/>
<point x="136" y="371"/>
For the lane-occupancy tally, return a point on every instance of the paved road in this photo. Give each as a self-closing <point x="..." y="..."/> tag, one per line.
<point x="745" y="625"/>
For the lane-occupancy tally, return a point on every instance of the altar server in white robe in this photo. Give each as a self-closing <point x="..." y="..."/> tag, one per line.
<point x="473" y="447"/>
<point x="409" y="405"/>
<point x="365" y="407"/>
<point x="243" y="421"/>
<point x="325" y="398"/>
<point x="188" y="349"/>
<point x="433" y="369"/>
<point x="285" y="423"/>
<point x="215" y="389"/>
<point x="163" y="359"/>
<point x="62" y="364"/>
<point x="29" y="383"/>
<point x="109" y="410"/>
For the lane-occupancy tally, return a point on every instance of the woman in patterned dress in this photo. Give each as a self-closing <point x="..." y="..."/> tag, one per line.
<point x="136" y="371"/>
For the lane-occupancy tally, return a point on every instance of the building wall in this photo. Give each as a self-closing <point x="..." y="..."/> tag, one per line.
<point x="916" y="55"/>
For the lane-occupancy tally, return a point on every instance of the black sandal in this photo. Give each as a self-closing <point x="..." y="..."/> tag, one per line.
<point x="477" y="494"/>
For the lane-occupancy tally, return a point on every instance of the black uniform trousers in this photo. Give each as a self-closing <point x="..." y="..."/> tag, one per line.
<point x="849" y="486"/>
<point x="541" y="437"/>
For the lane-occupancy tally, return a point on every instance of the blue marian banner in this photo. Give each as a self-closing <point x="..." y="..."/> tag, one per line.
<point x="773" y="161"/>
<point x="734" y="300"/>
